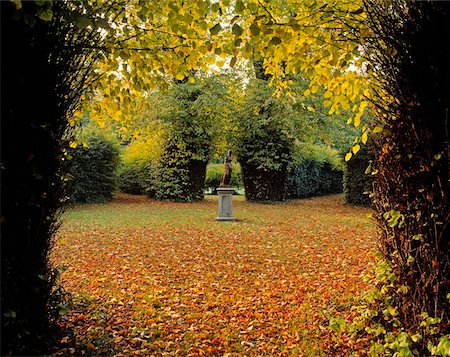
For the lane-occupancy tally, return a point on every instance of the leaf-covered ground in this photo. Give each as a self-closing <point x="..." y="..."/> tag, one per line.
<point x="159" y="278"/>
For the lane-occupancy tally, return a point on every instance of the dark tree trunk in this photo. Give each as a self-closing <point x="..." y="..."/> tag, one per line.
<point x="413" y="159"/>
<point x="44" y="70"/>
<point x="32" y="125"/>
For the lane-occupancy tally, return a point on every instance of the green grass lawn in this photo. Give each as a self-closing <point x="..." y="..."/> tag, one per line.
<point x="150" y="277"/>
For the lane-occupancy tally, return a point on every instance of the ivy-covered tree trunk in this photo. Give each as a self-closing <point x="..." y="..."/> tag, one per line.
<point x="412" y="184"/>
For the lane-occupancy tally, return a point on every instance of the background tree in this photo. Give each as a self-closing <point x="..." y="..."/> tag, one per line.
<point x="264" y="142"/>
<point x="192" y="118"/>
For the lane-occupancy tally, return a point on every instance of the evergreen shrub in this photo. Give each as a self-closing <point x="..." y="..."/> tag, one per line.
<point x="134" y="177"/>
<point x="92" y="171"/>
<point x="178" y="176"/>
<point x="312" y="178"/>
<point x="358" y="183"/>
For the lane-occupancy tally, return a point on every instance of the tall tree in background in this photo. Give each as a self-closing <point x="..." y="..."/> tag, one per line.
<point x="191" y="114"/>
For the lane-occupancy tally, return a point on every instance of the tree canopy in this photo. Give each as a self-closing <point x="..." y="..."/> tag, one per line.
<point x="146" y="44"/>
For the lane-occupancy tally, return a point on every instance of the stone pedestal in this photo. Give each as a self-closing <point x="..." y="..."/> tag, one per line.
<point x="225" y="211"/>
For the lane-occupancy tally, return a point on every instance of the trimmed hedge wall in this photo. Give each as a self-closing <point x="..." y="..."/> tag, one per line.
<point x="264" y="185"/>
<point x="356" y="181"/>
<point x="314" y="179"/>
<point x="92" y="171"/>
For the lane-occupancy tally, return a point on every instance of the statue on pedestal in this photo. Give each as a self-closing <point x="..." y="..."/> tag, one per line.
<point x="227" y="170"/>
<point x="225" y="192"/>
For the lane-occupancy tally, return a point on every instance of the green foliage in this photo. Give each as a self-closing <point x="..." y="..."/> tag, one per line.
<point x="314" y="125"/>
<point x="133" y="177"/>
<point x="137" y="162"/>
<point x="317" y="171"/>
<point x="214" y="173"/>
<point x="192" y="116"/>
<point x="380" y="326"/>
<point x="92" y="170"/>
<point x="313" y="179"/>
<point x="358" y="179"/>
<point x="264" y="142"/>
<point x="178" y="176"/>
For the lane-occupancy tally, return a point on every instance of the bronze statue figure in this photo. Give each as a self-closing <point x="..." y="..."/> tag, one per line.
<point x="227" y="169"/>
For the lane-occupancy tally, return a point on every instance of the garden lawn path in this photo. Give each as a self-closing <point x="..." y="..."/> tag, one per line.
<point x="160" y="278"/>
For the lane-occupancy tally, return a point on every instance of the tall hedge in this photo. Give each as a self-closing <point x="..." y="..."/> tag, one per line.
<point x="191" y="114"/>
<point x="133" y="177"/>
<point x="358" y="183"/>
<point x="178" y="176"/>
<point x="44" y="71"/>
<point x="264" y="143"/>
<point x="93" y="171"/>
<point x="312" y="178"/>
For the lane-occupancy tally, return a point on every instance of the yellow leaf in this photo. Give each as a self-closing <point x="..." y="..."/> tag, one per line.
<point x="357" y="120"/>
<point x="306" y="92"/>
<point x="364" y="137"/>
<point x="348" y="156"/>
<point x="18" y="4"/>
<point x="377" y="129"/>
<point x="73" y="144"/>
<point x="356" y="148"/>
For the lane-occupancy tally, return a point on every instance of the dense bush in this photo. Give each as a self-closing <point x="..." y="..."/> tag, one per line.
<point x="312" y="178"/>
<point x="358" y="183"/>
<point x="93" y="171"/>
<point x="264" y="143"/>
<point x="214" y="173"/>
<point x="178" y="176"/>
<point x="137" y="164"/>
<point x="133" y="177"/>
<point x="191" y="116"/>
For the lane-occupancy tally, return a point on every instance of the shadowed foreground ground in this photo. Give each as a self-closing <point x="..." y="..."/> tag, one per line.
<point x="159" y="278"/>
